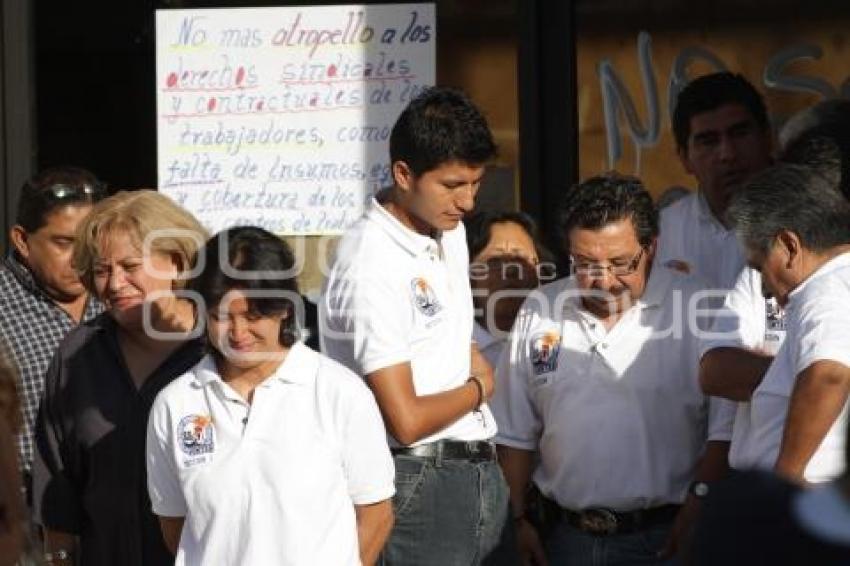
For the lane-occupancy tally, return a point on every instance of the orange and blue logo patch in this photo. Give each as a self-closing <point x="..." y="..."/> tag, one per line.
<point x="545" y="348"/>
<point x="424" y="297"/>
<point x="195" y="435"/>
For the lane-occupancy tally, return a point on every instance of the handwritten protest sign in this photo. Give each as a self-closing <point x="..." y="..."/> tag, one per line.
<point x="280" y="117"/>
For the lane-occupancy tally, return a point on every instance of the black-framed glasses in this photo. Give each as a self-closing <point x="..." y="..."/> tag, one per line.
<point x="63" y="191"/>
<point x="596" y="270"/>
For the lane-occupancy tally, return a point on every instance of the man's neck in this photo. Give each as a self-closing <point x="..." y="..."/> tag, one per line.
<point x="816" y="261"/>
<point x="404" y="216"/>
<point x="75" y="308"/>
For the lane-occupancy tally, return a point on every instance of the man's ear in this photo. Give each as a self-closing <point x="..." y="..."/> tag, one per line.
<point x="18" y="237"/>
<point x="402" y="175"/>
<point x="651" y="249"/>
<point x="791" y="246"/>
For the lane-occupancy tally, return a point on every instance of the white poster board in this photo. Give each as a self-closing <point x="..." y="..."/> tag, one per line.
<point x="280" y="117"/>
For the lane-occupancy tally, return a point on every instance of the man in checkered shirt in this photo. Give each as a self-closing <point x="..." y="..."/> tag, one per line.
<point x="41" y="297"/>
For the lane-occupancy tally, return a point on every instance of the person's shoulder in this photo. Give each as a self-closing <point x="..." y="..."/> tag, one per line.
<point x="337" y="377"/>
<point x="679" y="210"/>
<point x="184" y="386"/>
<point x="12" y="292"/>
<point x="86" y="335"/>
<point x="360" y="241"/>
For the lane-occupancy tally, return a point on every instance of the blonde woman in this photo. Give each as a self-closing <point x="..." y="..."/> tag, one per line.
<point x="133" y="251"/>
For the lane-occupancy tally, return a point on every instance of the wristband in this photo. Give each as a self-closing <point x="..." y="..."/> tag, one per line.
<point x="480" y="386"/>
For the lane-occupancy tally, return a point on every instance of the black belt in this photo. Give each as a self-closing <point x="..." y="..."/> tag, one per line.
<point x="474" y="450"/>
<point x="607" y="522"/>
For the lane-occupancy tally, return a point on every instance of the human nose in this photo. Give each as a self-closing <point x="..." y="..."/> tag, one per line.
<point x="116" y="280"/>
<point x="466" y="198"/>
<point x="727" y="148"/>
<point x="237" y="329"/>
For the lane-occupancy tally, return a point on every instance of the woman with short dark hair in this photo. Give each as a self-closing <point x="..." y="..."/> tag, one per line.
<point x="265" y="452"/>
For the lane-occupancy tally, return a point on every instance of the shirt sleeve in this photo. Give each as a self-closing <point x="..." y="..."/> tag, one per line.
<point x="721" y="418"/>
<point x="740" y="321"/>
<point x="57" y="501"/>
<point x="368" y="464"/>
<point x="518" y="421"/>
<point x="821" y="327"/>
<point x="167" y="499"/>
<point x="366" y="319"/>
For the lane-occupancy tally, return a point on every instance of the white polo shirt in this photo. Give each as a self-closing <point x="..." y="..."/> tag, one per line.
<point x="396" y="296"/>
<point x="689" y="233"/>
<point x="618" y="416"/>
<point x="817" y="329"/>
<point x="280" y="487"/>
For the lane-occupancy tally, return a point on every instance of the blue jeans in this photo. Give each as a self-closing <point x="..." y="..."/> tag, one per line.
<point x="567" y="545"/>
<point x="450" y="513"/>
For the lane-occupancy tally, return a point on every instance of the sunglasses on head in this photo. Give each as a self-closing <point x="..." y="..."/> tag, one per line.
<point x="62" y="191"/>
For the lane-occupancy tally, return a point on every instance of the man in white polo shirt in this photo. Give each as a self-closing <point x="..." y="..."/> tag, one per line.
<point x="600" y="379"/>
<point x="745" y="336"/>
<point x="723" y="137"/>
<point x="795" y="227"/>
<point x="397" y="309"/>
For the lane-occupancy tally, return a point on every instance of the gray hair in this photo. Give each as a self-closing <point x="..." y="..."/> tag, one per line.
<point x="790" y="198"/>
<point x="819" y="137"/>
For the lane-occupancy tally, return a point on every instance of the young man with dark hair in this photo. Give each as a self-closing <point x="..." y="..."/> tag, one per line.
<point x="41" y="296"/>
<point x="600" y="382"/>
<point x="397" y="309"/>
<point x="723" y="137"/>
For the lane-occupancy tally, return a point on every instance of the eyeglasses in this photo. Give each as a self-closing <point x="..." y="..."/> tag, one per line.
<point x="596" y="270"/>
<point x="62" y="191"/>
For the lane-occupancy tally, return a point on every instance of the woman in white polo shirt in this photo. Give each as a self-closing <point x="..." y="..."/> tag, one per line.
<point x="265" y="452"/>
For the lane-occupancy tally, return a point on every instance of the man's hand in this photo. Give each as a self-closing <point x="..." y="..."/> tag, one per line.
<point x="679" y="541"/>
<point x="528" y="543"/>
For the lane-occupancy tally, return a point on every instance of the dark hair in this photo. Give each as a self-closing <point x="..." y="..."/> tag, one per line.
<point x="478" y="228"/>
<point x="794" y="198"/>
<point x="604" y="199"/>
<point x="438" y="126"/>
<point x="54" y="188"/>
<point x="819" y="137"/>
<point x="710" y="92"/>
<point x="252" y="253"/>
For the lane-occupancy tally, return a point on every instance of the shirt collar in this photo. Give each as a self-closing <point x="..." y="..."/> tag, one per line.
<point x="704" y="213"/>
<point x="21" y="272"/>
<point x="298" y="368"/>
<point x="834" y="264"/>
<point x="415" y="244"/>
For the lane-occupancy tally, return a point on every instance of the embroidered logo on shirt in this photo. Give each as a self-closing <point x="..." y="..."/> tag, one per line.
<point x="424" y="297"/>
<point x="544" y="352"/>
<point x="774" y="326"/>
<point x="774" y="315"/>
<point x="679" y="265"/>
<point x="196" y="435"/>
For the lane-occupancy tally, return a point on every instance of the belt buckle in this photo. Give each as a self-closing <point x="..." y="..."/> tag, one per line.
<point x="598" y="521"/>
